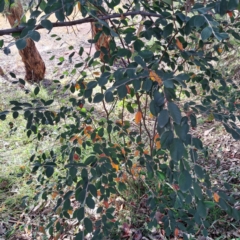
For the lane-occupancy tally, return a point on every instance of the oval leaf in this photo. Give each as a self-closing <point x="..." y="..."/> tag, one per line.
<point x="175" y="112"/>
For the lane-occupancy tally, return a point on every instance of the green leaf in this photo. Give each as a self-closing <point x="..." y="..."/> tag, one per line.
<point x="199" y="21"/>
<point x="197" y="191"/>
<point x="47" y="24"/>
<point x="67" y="204"/>
<point x="21" y="44"/>
<point x="199" y="171"/>
<point x="206" y="33"/>
<point x="92" y="84"/>
<point x="49" y="171"/>
<point x="80" y="214"/>
<point x="138" y="44"/>
<point x="175" y="112"/>
<point x="79" y="236"/>
<point x="92" y="189"/>
<point x="197" y="143"/>
<point x="88" y="225"/>
<point x="15" y="115"/>
<point x="109" y="97"/>
<point x="12" y="75"/>
<point x="98" y="98"/>
<point x="166" y="139"/>
<point x="123" y="52"/>
<point x="201" y="209"/>
<point x="2" y="4"/>
<point x="122" y="92"/>
<point x="49" y="102"/>
<point x="145" y="54"/>
<point x="147" y="85"/>
<point x="169" y="2"/>
<point x="209" y="204"/>
<point x="81" y="196"/>
<point x="223" y="7"/>
<point x="168" y="30"/>
<point x="35" y="14"/>
<point x="185" y="181"/>
<point x="73" y="172"/>
<point x="139" y="61"/>
<point x="90" y="203"/>
<point x="21" y="81"/>
<point x="84" y="173"/>
<point x="34" y="35"/>
<point x="176" y="149"/>
<point x="1" y="41"/>
<point x="163" y="118"/>
<point x="232" y="5"/>
<point x="122" y="186"/>
<point x="36" y="90"/>
<point x="43" y="5"/>
<point x="60" y="15"/>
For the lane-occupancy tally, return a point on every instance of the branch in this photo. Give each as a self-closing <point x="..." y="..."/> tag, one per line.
<point x="81" y="21"/>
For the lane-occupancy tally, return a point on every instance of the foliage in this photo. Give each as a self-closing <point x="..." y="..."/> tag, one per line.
<point x="153" y="137"/>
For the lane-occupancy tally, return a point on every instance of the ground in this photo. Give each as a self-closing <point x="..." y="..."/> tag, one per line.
<point x="76" y="36"/>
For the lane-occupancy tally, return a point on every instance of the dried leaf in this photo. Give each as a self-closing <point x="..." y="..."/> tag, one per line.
<point x="54" y="195"/>
<point x="96" y="73"/>
<point x="230" y="13"/>
<point x="128" y="89"/>
<point x="157" y="141"/>
<point x="179" y="44"/>
<point x="158" y="145"/>
<point x="70" y="212"/>
<point x="136" y="153"/>
<point x="77" y="86"/>
<point x="79" y="6"/>
<point x="126" y="230"/>
<point x="79" y="141"/>
<point x="154" y="77"/>
<point x="119" y="122"/>
<point x="216" y="197"/>
<point x="76" y="157"/>
<point x="106" y="204"/>
<point x="116" y="166"/>
<point x="150" y="115"/>
<point x="176" y="232"/>
<point x="81" y="105"/>
<point x="138" y="117"/>
<point x="220" y="50"/>
<point x="146" y="151"/>
<point x="41" y="229"/>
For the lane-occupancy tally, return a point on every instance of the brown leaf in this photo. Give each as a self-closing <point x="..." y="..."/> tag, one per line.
<point x="154" y="77"/>
<point x="179" y="44"/>
<point x="216" y="197"/>
<point x="128" y="89"/>
<point x="230" y="13"/>
<point x="176" y="232"/>
<point x="138" y="117"/>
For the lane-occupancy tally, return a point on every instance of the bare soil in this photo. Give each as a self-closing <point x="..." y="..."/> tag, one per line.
<point x="48" y="46"/>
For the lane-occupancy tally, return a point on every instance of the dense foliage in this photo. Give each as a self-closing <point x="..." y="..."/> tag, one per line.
<point x="160" y="57"/>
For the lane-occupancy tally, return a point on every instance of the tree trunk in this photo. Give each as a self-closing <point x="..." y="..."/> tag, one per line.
<point x="34" y="65"/>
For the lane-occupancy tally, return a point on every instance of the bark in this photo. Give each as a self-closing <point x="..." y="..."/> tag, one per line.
<point x="34" y="64"/>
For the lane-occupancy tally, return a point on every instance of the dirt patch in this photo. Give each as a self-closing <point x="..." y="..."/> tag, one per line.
<point x="49" y="46"/>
